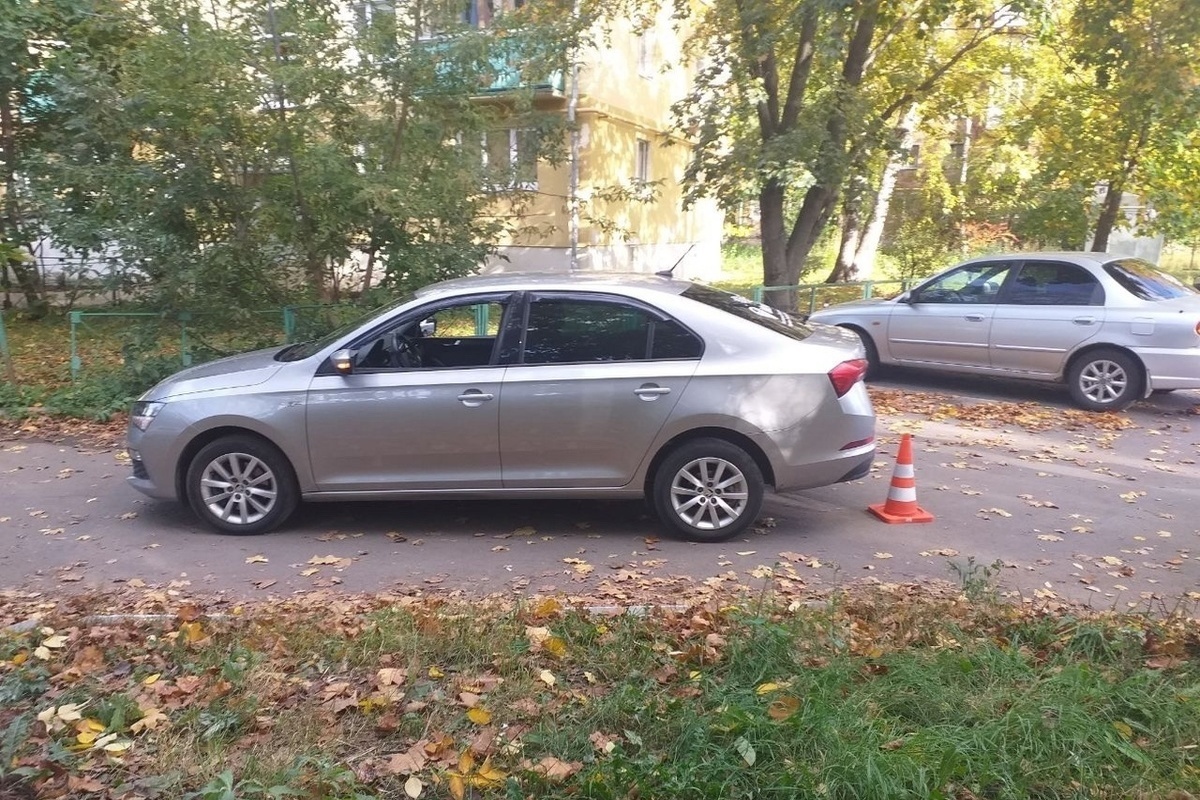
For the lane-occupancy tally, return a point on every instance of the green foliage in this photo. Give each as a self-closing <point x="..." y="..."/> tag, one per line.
<point x="16" y="399"/>
<point x="99" y="394"/>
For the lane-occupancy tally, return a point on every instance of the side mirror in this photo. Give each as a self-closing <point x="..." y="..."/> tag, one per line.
<point x="428" y="327"/>
<point x="905" y="298"/>
<point x="342" y="362"/>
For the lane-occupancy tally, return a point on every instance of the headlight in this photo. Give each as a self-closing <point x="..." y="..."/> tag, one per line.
<point x="144" y="412"/>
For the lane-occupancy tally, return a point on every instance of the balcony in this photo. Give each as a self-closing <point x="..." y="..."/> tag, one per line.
<point x="500" y="65"/>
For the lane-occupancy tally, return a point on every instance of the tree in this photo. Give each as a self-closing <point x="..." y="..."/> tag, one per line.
<point x="1126" y="86"/>
<point x="789" y="101"/>
<point x="32" y="37"/>
<point x="247" y="153"/>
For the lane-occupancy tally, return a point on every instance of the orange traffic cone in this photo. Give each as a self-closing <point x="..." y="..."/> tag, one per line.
<point x="901" y="505"/>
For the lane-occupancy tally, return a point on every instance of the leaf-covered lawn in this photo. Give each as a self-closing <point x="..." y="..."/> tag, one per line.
<point x="885" y="692"/>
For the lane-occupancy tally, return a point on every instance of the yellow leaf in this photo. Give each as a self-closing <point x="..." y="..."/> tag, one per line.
<point x="555" y="647"/>
<point x="117" y="747"/>
<point x="436" y="673"/>
<point x="192" y="631"/>
<point x="90" y="724"/>
<point x="767" y="688"/>
<point x="87" y="738"/>
<point x="479" y="716"/>
<point x="413" y="787"/>
<point x="466" y="762"/>
<point x="256" y="559"/>
<point x="547" y="607"/>
<point x="547" y="677"/>
<point x="150" y="680"/>
<point x="783" y="707"/>
<point x="43" y="653"/>
<point x="20" y="658"/>
<point x="151" y="719"/>
<point x="489" y="774"/>
<point x="457" y="787"/>
<point x="1123" y="729"/>
<point x="54" y="642"/>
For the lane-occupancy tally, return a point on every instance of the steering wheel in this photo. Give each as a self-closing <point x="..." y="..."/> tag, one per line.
<point x="404" y="352"/>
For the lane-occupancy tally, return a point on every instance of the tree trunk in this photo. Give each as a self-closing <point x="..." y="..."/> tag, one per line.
<point x="868" y="244"/>
<point x="1108" y="216"/>
<point x="821" y="197"/>
<point x="843" y="267"/>
<point x="774" y="246"/>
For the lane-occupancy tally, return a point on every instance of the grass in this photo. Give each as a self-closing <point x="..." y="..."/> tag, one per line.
<point x="876" y="694"/>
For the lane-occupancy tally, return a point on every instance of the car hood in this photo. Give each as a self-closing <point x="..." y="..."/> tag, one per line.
<point x="247" y="369"/>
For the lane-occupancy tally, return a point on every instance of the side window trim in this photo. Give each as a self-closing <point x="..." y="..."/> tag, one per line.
<point x="1096" y="295"/>
<point x="655" y="314"/>
<point x="422" y="312"/>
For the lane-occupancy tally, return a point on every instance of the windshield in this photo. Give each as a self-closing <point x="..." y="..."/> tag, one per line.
<point x="297" y="352"/>
<point x="758" y="313"/>
<point x="1145" y="281"/>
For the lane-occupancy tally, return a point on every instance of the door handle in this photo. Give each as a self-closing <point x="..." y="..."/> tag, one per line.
<point x="974" y="317"/>
<point x="473" y="398"/>
<point x="1084" y="320"/>
<point x="650" y="392"/>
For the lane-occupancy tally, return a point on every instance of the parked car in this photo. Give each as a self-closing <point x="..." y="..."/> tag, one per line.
<point x="520" y="386"/>
<point x="1112" y="329"/>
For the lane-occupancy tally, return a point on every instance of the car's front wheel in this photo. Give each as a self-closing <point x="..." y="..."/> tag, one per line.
<point x="241" y="484"/>
<point x="1105" y="380"/>
<point x="708" y="490"/>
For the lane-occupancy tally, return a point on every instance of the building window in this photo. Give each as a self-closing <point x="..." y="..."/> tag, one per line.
<point x="644" y="62"/>
<point x="510" y="158"/>
<point x="641" y="169"/>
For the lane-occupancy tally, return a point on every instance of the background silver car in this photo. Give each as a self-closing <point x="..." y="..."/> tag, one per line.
<point x="510" y="386"/>
<point x="1113" y="329"/>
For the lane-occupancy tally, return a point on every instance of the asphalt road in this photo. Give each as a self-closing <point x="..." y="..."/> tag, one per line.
<point x="1107" y="517"/>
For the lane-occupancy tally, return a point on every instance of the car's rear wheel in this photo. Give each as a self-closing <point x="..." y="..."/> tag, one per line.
<point x="708" y="490"/>
<point x="242" y="485"/>
<point x="874" y="368"/>
<point x="1105" y="380"/>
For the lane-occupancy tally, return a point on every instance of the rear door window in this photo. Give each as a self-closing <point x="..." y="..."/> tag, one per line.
<point x="573" y="329"/>
<point x="1146" y="282"/>
<point x="1054" y="283"/>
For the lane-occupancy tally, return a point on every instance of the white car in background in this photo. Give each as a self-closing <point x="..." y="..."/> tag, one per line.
<point x="1113" y="329"/>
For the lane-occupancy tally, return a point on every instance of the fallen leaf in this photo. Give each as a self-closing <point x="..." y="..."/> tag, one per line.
<point x="256" y="559"/>
<point x="480" y="716"/>
<point x="883" y="555"/>
<point x="547" y="677"/>
<point x="413" y="787"/>
<point x="783" y="707"/>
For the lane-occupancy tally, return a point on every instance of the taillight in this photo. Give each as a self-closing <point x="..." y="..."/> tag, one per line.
<point x="846" y="374"/>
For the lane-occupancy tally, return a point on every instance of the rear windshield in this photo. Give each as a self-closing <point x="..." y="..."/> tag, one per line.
<point x="758" y="313"/>
<point x="1145" y="281"/>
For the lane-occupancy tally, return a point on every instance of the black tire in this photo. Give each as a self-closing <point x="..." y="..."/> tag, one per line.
<point x="241" y="485"/>
<point x="874" y="368"/>
<point x="1105" y="380"/>
<point x="720" y="510"/>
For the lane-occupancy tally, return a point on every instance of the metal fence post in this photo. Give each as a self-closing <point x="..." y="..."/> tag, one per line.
<point x="482" y="313"/>
<point x="289" y="324"/>
<point x="756" y="294"/>
<point x="76" y="318"/>
<point x="5" y="353"/>
<point x="185" y="355"/>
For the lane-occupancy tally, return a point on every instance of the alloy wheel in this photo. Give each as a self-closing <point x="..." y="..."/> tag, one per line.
<point x="709" y="493"/>
<point x="1103" y="381"/>
<point x="238" y="488"/>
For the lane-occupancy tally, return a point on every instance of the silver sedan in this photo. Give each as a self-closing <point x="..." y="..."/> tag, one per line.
<point x="1112" y="329"/>
<point x="511" y="386"/>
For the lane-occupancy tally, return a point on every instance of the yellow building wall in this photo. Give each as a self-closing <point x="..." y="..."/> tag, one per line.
<point x="626" y="88"/>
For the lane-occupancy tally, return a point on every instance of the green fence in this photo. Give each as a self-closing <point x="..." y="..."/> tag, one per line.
<point x="834" y="292"/>
<point x="183" y="335"/>
<point x="5" y="353"/>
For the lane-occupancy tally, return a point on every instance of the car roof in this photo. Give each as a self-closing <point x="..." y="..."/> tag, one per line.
<point x="1066" y="255"/>
<point x="501" y="281"/>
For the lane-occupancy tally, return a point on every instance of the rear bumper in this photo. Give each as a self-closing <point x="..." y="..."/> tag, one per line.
<point x="1171" y="369"/>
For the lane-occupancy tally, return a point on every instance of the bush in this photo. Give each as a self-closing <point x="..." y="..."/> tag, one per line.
<point x="100" y="394"/>
<point x="15" y="400"/>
